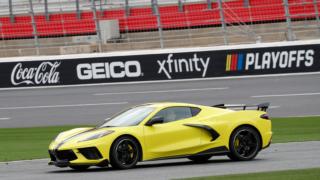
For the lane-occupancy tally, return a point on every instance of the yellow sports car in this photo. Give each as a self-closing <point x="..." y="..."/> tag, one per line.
<point x="165" y="130"/>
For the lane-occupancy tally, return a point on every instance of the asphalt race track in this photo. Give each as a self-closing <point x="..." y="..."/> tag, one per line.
<point x="277" y="157"/>
<point x="296" y="95"/>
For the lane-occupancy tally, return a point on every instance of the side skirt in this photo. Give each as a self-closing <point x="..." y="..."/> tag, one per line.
<point x="221" y="150"/>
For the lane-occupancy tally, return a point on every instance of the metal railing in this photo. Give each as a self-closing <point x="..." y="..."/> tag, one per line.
<point x="51" y="6"/>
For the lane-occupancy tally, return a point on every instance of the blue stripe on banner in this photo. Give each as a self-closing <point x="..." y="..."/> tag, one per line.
<point x="240" y="62"/>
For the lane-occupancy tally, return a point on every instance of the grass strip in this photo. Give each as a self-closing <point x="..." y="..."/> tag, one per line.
<point x="296" y="129"/>
<point x="27" y="143"/>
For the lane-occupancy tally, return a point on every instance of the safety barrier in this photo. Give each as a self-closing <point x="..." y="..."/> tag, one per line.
<point x="156" y="65"/>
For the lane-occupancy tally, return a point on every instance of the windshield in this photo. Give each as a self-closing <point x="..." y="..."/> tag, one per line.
<point x="130" y="117"/>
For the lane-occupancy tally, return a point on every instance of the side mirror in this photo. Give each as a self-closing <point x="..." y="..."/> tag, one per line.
<point x="155" y="120"/>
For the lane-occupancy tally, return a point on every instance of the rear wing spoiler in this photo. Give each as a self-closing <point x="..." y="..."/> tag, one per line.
<point x="259" y="107"/>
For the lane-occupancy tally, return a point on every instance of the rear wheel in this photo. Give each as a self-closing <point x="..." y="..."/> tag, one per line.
<point x="244" y="144"/>
<point x="124" y="153"/>
<point x="200" y="158"/>
<point x="80" y="167"/>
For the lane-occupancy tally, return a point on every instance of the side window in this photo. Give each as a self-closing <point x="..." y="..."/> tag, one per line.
<point x="195" y="111"/>
<point x="175" y="113"/>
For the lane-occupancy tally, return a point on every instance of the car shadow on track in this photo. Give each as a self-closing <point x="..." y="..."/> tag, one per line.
<point x="148" y="165"/>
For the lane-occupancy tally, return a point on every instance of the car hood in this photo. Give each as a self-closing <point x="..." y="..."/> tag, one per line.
<point x="75" y="135"/>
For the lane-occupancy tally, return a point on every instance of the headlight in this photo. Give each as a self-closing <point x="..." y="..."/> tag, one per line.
<point x="96" y="136"/>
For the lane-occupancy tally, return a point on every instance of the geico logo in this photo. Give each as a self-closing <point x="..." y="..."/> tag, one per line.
<point x="280" y="59"/>
<point x="193" y="64"/>
<point x="108" y="70"/>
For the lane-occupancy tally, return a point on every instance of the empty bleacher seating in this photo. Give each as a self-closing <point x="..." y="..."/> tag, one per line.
<point x="142" y="18"/>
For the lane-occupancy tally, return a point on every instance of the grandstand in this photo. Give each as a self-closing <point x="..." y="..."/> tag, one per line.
<point x="80" y="26"/>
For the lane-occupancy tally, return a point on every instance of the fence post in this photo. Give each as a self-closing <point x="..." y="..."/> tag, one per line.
<point x="94" y="11"/>
<point x="155" y="7"/>
<point x="223" y="23"/>
<point x="127" y="8"/>
<point x="34" y="27"/>
<point x="101" y="8"/>
<point x="78" y="9"/>
<point x="180" y="4"/>
<point x="288" y="20"/>
<point x="46" y="11"/>
<point x="246" y="3"/>
<point x="315" y="4"/>
<point x="209" y="4"/>
<point x="11" y="12"/>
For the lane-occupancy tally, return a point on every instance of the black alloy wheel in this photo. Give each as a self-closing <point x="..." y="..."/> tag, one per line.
<point x="80" y="167"/>
<point x="124" y="153"/>
<point x="244" y="144"/>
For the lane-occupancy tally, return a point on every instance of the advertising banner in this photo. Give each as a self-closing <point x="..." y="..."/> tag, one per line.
<point x="161" y="66"/>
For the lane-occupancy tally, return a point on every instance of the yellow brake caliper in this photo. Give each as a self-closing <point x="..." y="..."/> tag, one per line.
<point x="236" y="143"/>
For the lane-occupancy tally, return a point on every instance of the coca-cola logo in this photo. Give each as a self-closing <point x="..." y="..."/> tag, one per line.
<point x="45" y="73"/>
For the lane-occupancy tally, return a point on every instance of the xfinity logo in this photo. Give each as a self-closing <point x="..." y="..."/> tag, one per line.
<point x="45" y="73"/>
<point x="108" y="70"/>
<point x="170" y="65"/>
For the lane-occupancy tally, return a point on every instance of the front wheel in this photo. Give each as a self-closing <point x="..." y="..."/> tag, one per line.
<point x="124" y="153"/>
<point x="244" y="144"/>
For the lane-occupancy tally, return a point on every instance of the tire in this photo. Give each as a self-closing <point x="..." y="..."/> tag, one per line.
<point x="244" y="144"/>
<point x="80" y="167"/>
<point x="200" y="158"/>
<point x="124" y="153"/>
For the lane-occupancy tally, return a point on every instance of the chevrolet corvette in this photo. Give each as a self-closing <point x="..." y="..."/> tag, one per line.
<point x="156" y="131"/>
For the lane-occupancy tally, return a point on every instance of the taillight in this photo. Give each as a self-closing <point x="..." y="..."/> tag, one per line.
<point x="264" y="116"/>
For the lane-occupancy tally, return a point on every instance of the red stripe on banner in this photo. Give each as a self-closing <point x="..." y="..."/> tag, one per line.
<point x="232" y="62"/>
<point x="231" y="66"/>
<point x="235" y="62"/>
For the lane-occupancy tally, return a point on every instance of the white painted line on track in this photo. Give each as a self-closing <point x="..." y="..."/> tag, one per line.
<point x="286" y="95"/>
<point x="164" y="81"/>
<point x="4" y="118"/>
<point x="23" y="161"/>
<point x="162" y="91"/>
<point x="62" y="105"/>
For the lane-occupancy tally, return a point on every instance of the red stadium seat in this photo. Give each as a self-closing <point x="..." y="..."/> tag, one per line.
<point x="142" y="19"/>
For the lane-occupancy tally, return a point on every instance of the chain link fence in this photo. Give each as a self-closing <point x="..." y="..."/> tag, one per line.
<point x="41" y="27"/>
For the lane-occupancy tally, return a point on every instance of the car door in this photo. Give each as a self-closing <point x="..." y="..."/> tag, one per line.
<point x="172" y="137"/>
